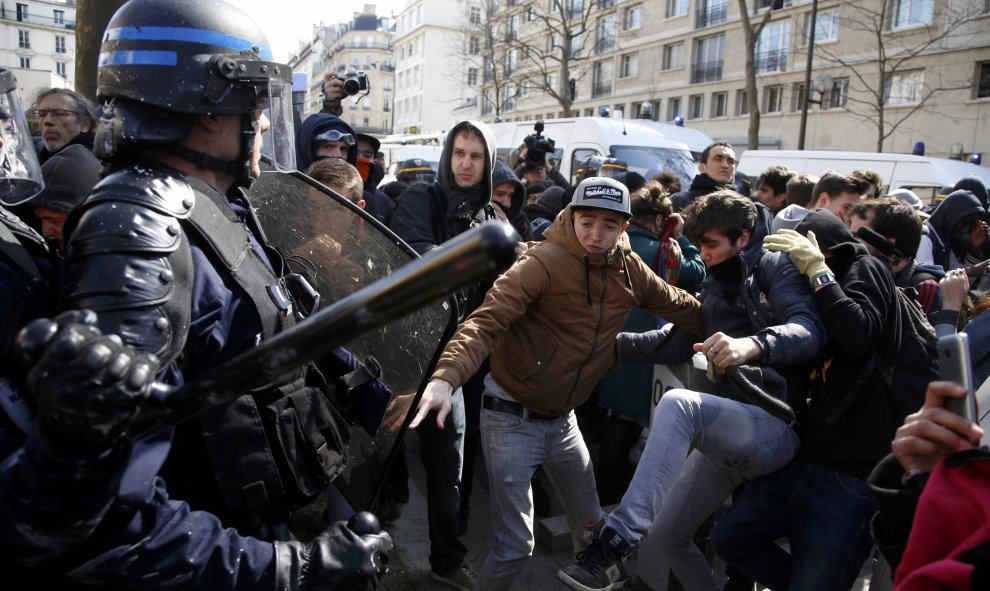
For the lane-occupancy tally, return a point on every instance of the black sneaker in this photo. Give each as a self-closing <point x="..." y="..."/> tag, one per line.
<point x="601" y="566"/>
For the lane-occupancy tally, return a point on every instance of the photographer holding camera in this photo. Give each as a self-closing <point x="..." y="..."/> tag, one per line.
<point x="336" y="87"/>
<point x="534" y="160"/>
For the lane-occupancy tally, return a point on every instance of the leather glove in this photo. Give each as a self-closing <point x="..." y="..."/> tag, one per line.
<point x="804" y="252"/>
<point x="86" y="385"/>
<point x="348" y="556"/>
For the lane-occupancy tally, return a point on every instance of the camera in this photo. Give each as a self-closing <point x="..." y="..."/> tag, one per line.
<point x="355" y="82"/>
<point x="537" y="147"/>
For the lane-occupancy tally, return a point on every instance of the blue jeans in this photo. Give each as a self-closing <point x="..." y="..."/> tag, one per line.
<point x="825" y="514"/>
<point x="513" y="449"/>
<point x="700" y="448"/>
<point x="442" y="454"/>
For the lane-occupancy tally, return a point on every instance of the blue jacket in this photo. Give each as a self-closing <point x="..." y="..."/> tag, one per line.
<point x="773" y="304"/>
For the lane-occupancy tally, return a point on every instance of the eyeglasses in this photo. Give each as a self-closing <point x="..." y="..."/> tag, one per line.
<point x="332" y="135"/>
<point x="57" y="113"/>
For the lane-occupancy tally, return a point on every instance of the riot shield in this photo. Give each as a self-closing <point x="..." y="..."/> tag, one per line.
<point x="340" y="249"/>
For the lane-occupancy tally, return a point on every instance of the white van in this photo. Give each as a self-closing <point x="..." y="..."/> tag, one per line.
<point x="396" y="154"/>
<point x="924" y="175"/>
<point x="645" y="150"/>
<point x="695" y="139"/>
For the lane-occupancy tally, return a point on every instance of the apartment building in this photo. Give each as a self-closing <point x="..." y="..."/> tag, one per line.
<point x="430" y="92"/>
<point x="38" y="42"/>
<point x="685" y="60"/>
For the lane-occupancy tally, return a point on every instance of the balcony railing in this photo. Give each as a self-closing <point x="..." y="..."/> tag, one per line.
<point x="709" y="16"/>
<point x="706" y="72"/>
<point x="358" y="45"/>
<point x="9" y="14"/>
<point x="774" y="60"/>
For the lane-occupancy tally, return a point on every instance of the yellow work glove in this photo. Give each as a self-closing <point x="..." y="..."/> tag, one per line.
<point x="804" y="252"/>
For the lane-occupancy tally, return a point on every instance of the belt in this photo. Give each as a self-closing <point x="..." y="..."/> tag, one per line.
<point x="514" y="408"/>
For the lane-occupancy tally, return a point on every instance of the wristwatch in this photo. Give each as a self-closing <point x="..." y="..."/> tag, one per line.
<point x="822" y="279"/>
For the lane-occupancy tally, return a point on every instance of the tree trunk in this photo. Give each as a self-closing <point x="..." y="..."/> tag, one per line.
<point x="92" y="17"/>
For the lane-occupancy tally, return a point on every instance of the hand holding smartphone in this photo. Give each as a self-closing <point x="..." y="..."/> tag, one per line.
<point x="955" y="366"/>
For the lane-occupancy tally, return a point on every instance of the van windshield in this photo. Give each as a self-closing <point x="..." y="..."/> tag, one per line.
<point x="652" y="161"/>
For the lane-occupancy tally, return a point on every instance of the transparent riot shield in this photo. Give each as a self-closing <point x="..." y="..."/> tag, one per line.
<point x="339" y="248"/>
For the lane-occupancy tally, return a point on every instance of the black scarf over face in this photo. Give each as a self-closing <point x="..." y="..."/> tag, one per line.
<point x="728" y="272"/>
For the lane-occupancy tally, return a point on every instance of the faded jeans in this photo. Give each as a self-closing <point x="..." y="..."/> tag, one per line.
<point x="700" y="448"/>
<point x="514" y="448"/>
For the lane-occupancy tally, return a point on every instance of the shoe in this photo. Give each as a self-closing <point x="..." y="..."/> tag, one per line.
<point x="601" y="566"/>
<point x="459" y="578"/>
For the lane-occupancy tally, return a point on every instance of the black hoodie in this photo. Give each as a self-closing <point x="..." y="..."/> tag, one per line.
<point x="700" y="186"/>
<point x="956" y="207"/>
<point x="424" y="222"/>
<point x="503" y="174"/>
<point x="861" y="318"/>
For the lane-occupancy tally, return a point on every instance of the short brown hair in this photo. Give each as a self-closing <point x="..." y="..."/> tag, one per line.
<point x="800" y="189"/>
<point x="715" y="144"/>
<point x="725" y="211"/>
<point x="835" y="184"/>
<point x="338" y="172"/>
<point x="869" y="176"/>
<point x="893" y="218"/>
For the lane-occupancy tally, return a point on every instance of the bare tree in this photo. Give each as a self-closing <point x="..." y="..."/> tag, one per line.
<point x="556" y="48"/>
<point x="751" y="37"/>
<point x="883" y="70"/>
<point x="92" y="17"/>
<point x="486" y="61"/>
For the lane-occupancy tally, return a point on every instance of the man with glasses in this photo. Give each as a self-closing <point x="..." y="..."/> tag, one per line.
<point x="64" y="117"/>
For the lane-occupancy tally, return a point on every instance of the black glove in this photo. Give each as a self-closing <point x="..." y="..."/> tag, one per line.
<point x="348" y="556"/>
<point x="85" y="385"/>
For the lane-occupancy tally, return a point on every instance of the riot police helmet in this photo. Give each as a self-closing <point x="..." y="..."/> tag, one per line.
<point x="416" y="170"/>
<point x="600" y="166"/>
<point x="163" y="62"/>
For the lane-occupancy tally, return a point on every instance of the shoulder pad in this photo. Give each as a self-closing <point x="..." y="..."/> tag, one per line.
<point x="105" y="226"/>
<point x="147" y="187"/>
<point x="23" y="232"/>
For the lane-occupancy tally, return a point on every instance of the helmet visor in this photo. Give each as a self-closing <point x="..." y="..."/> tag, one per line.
<point x="20" y="171"/>
<point x="278" y="142"/>
<point x="420" y="174"/>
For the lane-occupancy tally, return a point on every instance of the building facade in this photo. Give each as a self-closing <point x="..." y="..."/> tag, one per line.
<point x="38" y="42"/>
<point x="430" y="92"/>
<point x="364" y="45"/>
<point x="685" y="60"/>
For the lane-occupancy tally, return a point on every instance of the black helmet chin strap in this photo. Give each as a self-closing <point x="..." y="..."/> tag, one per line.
<point x="240" y="169"/>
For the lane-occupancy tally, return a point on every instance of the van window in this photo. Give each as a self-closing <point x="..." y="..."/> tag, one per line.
<point x="649" y="161"/>
<point x="577" y="157"/>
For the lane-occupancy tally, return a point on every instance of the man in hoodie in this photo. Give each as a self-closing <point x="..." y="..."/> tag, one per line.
<point x="545" y="210"/>
<point x="821" y="500"/>
<point x="425" y="217"/>
<point x="956" y="232"/>
<point x="508" y="197"/>
<point x="549" y="323"/>
<point x="717" y="170"/>
<point x="756" y="309"/>
<point x="69" y="176"/>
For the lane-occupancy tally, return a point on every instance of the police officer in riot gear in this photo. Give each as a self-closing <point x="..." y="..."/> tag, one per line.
<point x="167" y="251"/>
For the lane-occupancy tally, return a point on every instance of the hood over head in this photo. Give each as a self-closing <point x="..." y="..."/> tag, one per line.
<point x="975" y="185"/>
<point x="958" y="205"/>
<point x="789" y="217"/>
<point x="445" y="176"/>
<point x="503" y="174"/>
<point x="834" y="236"/>
<point x="70" y="174"/>
<point x="315" y="125"/>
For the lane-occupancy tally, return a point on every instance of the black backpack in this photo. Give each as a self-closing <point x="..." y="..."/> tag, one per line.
<point x="907" y="365"/>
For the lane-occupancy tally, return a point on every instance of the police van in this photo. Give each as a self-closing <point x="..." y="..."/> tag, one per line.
<point x="924" y="175"/>
<point x="644" y="150"/>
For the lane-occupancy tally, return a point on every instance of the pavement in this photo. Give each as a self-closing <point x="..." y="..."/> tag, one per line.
<point x="410" y="566"/>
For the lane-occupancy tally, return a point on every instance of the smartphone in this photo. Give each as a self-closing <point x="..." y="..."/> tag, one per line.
<point x="955" y="366"/>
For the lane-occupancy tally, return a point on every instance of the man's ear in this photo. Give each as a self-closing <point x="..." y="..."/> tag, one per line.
<point x="361" y="203"/>
<point x="625" y="225"/>
<point x="744" y="237"/>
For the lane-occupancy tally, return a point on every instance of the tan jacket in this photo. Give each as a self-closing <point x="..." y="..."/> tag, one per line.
<point x="550" y="321"/>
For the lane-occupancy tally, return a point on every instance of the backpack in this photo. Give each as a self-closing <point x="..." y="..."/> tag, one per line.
<point x="915" y="361"/>
<point x="906" y="366"/>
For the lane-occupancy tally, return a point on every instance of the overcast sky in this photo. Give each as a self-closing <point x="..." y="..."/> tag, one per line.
<point x="287" y="22"/>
